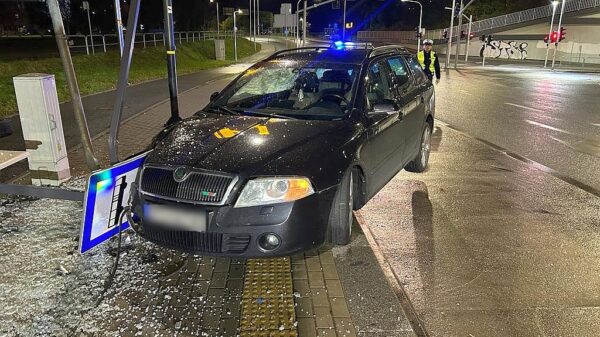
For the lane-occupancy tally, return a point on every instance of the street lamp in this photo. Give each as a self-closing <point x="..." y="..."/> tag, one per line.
<point x="239" y="11"/>
<point x="554" y="5"/>
<point x="217" y="3"/>
<point x="420" y="23"/>
<point x="297" y="25"/>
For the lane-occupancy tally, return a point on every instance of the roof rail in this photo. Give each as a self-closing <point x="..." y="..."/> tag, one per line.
<point x="388" y="49"/>
<point x="296" y="50"/>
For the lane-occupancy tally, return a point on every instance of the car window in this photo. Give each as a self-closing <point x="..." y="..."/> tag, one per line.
<point x="417" y="71"/>
<point x="378" y="85"/>
<point x="400" y="70"/>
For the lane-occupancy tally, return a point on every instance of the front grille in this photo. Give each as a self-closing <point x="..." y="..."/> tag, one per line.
<point x="198" y="186"/>
<point x="204" y="242"/>
<point x="198" y="242"/>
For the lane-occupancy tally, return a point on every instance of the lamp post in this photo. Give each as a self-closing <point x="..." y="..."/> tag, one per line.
<point x="86" y="7"/>
<point x="554" y="5"/>
<point x="562" y="12"/>
<point x="420" y="23"/>
<point x="218" y="29"/>
<point x="297" y="25"/>
<point x="470" y="18"/>
<point x="239" y="11"/>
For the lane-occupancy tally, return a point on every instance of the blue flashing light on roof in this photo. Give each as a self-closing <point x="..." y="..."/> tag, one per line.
<point x="339" y="45"/>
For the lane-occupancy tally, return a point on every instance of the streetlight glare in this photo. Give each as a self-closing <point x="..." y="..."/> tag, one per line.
<point x="554" y="3"/>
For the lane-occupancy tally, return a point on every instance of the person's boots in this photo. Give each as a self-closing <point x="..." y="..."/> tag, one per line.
<point x="5" y="128"/>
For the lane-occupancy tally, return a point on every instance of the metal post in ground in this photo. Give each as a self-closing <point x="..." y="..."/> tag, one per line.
<point x="235" y="35"/>
<point x="468" y="38"/>
<point x="344" y="23"/>
<point x="104" y="43"/>
<point x="86" y="7"/>
<point x="65" y="56"/>
<point x="562" y="12"/>
<point x="554" y="4"/>
<point x="258" y="16"/>
<point x="458" y="35"/>
<point x="119" y="22"/>
<point x="304" y="23"/>
<point x="449" y="46"/>
<point x="171" y="62"/>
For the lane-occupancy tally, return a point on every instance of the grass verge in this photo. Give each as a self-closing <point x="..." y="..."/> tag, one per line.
<point x="96" y="73"/>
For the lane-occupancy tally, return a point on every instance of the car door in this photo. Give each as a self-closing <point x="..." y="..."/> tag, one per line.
<point x="384" y="148"/>
<point x="406" y="98"/>
<point x="415" y="120"/>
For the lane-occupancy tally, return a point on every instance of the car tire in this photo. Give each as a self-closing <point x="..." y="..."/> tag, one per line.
<point x="419" y="164"/>
<point x="341" y="216"/>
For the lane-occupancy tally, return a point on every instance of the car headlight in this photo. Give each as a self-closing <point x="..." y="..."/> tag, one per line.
<point x="265" y="191"/>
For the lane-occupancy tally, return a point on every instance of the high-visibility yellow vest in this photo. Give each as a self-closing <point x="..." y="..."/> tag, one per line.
<point x="421" y="59"/>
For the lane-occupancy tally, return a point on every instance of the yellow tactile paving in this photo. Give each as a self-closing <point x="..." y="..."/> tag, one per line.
<point x="268" y="300"/>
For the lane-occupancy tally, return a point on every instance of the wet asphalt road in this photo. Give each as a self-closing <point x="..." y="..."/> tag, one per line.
<point x="501" y="235"/>
<point x="550" y="118"/>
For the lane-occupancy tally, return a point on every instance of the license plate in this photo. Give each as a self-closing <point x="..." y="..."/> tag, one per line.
<point x="176" y="218"/>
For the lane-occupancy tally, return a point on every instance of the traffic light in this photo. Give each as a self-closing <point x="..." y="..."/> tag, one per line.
<point x="445" y="34"/>
<point x="554" y="37"/>
<point x="418" y="33"/>
<point x="563" y="34"/>
<point x="457" y="8"/>
<point x="471" y="36"/>
<point x="463" y="34"/>
<point x="546" y="39"/>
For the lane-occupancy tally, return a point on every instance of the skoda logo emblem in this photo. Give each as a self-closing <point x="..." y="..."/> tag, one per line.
<point x="180" y="174"/>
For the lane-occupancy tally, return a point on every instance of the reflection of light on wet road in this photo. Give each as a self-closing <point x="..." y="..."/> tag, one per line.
<point x="524" y="107"/>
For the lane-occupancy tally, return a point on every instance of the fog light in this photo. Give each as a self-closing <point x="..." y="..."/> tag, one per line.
<point x="269" y="242"/>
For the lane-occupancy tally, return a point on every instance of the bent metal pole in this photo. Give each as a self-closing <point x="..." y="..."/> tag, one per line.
<point x="115" y="120"/>
<point x="171" y="62"/>
<point x="65" y="56"/>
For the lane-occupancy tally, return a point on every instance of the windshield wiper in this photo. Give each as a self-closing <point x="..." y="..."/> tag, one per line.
<point x="222" y="108"/>
<point x="266" y="114"/>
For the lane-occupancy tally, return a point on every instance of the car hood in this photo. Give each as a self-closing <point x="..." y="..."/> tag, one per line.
<point x="242" y="144"/>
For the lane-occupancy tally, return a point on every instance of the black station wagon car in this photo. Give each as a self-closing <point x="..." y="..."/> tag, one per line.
<point x="277" y="161"/>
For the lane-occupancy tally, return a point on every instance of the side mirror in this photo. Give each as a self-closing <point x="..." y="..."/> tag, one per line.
<point x="214" y="96"/>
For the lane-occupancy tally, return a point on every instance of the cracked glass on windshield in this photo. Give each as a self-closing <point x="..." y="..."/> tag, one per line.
<point x="295" y="89"/>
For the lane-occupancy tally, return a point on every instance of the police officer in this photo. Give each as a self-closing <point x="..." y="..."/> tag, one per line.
<point x="429" y="61"/>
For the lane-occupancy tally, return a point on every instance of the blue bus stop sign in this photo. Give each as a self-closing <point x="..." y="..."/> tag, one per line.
<point x="106" y="193"/>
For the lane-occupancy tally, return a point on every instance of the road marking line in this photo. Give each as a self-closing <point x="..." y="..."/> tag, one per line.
<point x="547" y="127"/>
<point x="466" y="92"/>
<point x="524" y="107"/>
<point x="596" y="124"/>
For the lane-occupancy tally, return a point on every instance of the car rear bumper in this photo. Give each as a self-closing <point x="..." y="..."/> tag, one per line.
<point x="235" y="232"/>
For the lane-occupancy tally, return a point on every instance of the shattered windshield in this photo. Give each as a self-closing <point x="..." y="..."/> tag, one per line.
<point x="292" y="88"/>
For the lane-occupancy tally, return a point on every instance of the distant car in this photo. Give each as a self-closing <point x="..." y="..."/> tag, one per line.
<point x="277" y="161"/>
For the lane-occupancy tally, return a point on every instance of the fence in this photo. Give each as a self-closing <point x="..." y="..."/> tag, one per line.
<point x="482" y="25"/>
<point x="93" y="43"/>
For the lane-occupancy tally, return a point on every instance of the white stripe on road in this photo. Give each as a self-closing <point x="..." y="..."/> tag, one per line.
<point x="466" y="92"/>
<point x="596" y="124"/>
<point x="525" y="107"/>
<point x="547" y="127"/>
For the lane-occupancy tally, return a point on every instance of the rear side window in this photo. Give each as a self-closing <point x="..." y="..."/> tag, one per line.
<point x="420" y="76"/>
<point x="400" y="71"/>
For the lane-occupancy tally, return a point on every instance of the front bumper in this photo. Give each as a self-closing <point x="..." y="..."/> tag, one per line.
<point x="234" y="232"/>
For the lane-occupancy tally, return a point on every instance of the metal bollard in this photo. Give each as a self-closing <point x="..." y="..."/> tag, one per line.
<point x="87" y="48"/>
<point x="144" y="39"/>
<point x="104" y="43"/>
<point x="154" y="37"/>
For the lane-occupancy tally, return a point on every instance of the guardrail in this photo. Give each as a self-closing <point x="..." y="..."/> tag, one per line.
<point x="97" y="42"/>
<point x="486" y="24"/>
